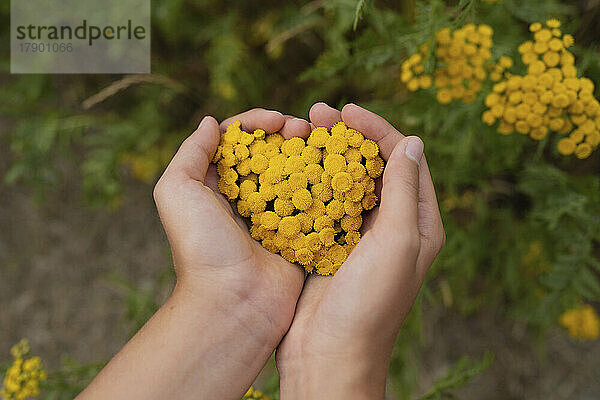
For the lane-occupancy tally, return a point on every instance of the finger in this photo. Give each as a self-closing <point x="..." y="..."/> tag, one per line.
<point x="295" y="127"/>
<point x="269" y="120"/>
<point x="398" y="212"/>
<point x="387" y="137"/>
<point x="431" y="228"/>
<point x="196" y="152"/>
<point x="322" y="115"/>
<point x="372" y="126"/>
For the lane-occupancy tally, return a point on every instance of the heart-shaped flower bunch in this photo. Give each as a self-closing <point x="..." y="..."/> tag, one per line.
<point x="304" y="198"/>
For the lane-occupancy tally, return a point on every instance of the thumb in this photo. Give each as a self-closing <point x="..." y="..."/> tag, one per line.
<point x="398" y="211"/>
<point x="196" y="152"/>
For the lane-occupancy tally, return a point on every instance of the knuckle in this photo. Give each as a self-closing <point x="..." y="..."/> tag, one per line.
<point x="442" y="240"/>
<point x="159" y="188"/>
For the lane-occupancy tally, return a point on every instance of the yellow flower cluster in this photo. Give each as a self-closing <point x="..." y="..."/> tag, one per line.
<point x="146" y="166"/>
<point x="550" y="97"/>
<point x="413" y="70"/>
<point x="254" y="394"/>
<point x="24" y="375"/>
<point x="304" y="198"/>
<point x="461" y="56"/>
<point x="582" y="322"/>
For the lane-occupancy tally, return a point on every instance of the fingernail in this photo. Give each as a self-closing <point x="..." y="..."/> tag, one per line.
<point x="299" y="119"/>
<point x="414" y="149"/>
<point x="203" y="121"/>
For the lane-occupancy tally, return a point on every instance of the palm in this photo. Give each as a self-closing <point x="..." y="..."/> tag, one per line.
<point x="225" y="243"/>
<point x="210" y="243"/>
<point x="358" y="301"/>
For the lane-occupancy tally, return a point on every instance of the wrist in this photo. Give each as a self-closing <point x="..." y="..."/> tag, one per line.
<point x="346" y="374"/>
<point x="241" y="312"/>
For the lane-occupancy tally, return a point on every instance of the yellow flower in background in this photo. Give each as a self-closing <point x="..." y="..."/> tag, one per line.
<point x="304" y="198"/>
<point x="582" y="322"/>
<point x="254" y="394"/>
<point x="24" y="375"/>
<point x="549" y="98"/>
<point x="146" y="166"/>
<point x="20" y="349"/>
<point x="413" y="70"/>
<point x="460" y="57"/>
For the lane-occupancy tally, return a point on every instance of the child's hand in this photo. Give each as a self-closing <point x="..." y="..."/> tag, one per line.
<point x="340" y="341"/>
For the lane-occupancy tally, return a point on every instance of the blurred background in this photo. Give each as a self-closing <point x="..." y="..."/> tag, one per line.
<point x="509" y="310"/>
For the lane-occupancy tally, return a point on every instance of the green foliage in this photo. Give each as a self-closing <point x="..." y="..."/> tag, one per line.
<point x="69" y="380"/>
<point x="458" y="376"/>
<point x="522" y="222"/>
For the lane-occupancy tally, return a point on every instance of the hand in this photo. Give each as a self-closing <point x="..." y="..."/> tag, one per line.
<point x="233" y="300"/>
<point x="214" y="256"/>
<point x="213" y="253"/>
<point x="340" y="341"/>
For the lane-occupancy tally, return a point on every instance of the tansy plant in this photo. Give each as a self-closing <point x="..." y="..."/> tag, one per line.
<point x="550" y="97"/>
<point x="460" y="68"/>
<point x="24" y="375"/>
<point x="582" y="322"/>
<point x="254" y="394"/>
<point x="304" y="198"/>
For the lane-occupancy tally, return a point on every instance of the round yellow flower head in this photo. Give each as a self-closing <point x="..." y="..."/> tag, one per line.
<point x="318" y="137"/>
<point x="568" y="40"/>
<point x="313" y="173"/>
<point x="289" y="226"/>
<point x="304" y="198"/>
<point x="334" y="163"/>
<point x="535" y="27"/>
<point x="352" y="238"/>
<point x="270" y="220"/>
<point x="293" y="146"/>
<point x="582" y="322"/>
<point x="337" y="143"/>
<point x="327" y="236"/>
<point x="342" y="181"/>
<point x="247" y="187"/>
<point x="283" y="207"/>
<point x="375" y="167"/>
<point x="311" y="155"/>
<point x="339" y="128"/>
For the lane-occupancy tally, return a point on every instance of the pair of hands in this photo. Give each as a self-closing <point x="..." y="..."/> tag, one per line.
<point x="334" y="335"/>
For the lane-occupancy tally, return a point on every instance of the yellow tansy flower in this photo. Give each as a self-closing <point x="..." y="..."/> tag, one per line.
<point x="582" y="322"/>
<point x="303" y="198"/>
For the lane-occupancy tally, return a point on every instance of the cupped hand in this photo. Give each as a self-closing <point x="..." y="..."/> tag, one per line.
<point x="340" y="341"/>
<point x="233" y="300"/>
<point x="215" y="258"/>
